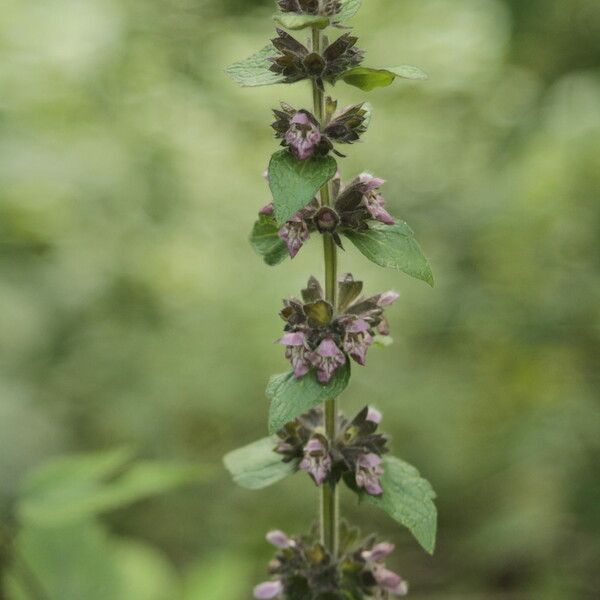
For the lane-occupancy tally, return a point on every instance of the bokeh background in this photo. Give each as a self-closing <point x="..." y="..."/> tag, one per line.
<point x="133" y="313"/>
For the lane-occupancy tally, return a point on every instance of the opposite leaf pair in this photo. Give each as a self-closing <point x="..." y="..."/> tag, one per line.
<point x="396" y="487"/>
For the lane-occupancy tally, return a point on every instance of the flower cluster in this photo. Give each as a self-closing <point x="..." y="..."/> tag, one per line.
<point x="321" y="337"/>
<point x="355" y="454"/>
<point x="355" y="205"/>
<point x="304" y="570"/>
<point x="295" y="61"/>
<point x="302" y="133"/>
<point x="311" y="7"/>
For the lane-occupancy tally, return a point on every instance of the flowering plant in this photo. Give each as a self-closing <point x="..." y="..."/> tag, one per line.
<point x="330" y="325"/>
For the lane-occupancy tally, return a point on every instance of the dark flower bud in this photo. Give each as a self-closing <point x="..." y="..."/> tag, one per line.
<point x="361" y="201"/>
<point x="347" y="125"/>
<point x="295" y="61"/>
<point x="326" y="220"/>
<point x="314" y="64"/>
<point x="316" y="336"/>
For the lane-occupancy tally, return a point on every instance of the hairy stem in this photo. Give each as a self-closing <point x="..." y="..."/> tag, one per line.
<point x="329" y="524"/>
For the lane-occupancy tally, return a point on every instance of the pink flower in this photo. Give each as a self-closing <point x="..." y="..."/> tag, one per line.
<point x="303" y="135"/>
<point x="267" y="209"/>
<point x="316" y="461"/>
<point x="268" y="590"/>
<point x="279" y="539"/>
<point x="294" y="233"/>
<point x="368" y="472"/>
<point x="326" y="359"/>
<point x="387" y="298"/>
<point x="390" y="581"/>
<point x="372" y="200"/>
<point x="297" y="352"/>
<point x="374" y="415"/>
<point x="357" y="340"/>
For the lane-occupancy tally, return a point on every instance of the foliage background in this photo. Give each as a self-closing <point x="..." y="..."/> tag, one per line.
<point x="133" y="313"/>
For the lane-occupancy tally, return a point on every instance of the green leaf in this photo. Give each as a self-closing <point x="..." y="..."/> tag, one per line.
<point x="266" y="241"/>
<point x="407" y="498"/>
<point x="393" y="246"/>
<point x="76" y="487"/>
<point x="70" y="562"/>
<point x="348" y="10"/>
<point x="79" y="560"/>
<point x="294" y="183"/>
<point x="295" y="22"/>
<point x="211" y="578"/>
<point x="368" y="79"/>
<point x="257" y="465"/>
<point x="291" y="397"/>
<point x="255" y="70"/>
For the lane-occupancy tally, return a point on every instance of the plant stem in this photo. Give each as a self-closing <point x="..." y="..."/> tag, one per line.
<point x="329" y="525"/>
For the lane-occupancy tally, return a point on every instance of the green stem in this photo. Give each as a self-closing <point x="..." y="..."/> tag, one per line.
<point x="329" y="525"/>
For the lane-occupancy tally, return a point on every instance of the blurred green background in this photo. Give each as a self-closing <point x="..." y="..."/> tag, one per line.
<point x="133" y="313"/>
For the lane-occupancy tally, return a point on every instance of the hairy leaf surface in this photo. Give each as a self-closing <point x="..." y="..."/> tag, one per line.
<point x="257" y="465"/>
<point x="294" y="183"/>
<point x="393" y="246"/>
<point x="291" y="397"/>
<point x="407" y="498"/>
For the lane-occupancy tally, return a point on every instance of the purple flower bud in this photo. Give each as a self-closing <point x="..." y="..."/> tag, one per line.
<point x="326" y="219"/>
<point x="370" y="182"/>
<point x="267" y="209"/>
<point x="303" y="135"/>
<point x="373" y="200"/>
<point x="279" y="539"/>
<point x="384" y="327"/>
<point x="316" y="461"/>
<point x="390" y="581"/>
<point x="387" y="298"/>
<point x="374" y="415"/>
<point x="297" y="352"/>
<point x="294" y="233"/>
<point x="326" y="359"/>
<point x="268" y="589"/>
<point x="368" y="472"/>
<point x="378" y="552"/>
<point x="357" y="340"/>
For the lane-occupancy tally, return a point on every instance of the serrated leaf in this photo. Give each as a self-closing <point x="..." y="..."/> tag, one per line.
<point x="367" y="79"/>
<point x="255" y="70"/>
<point x="348" y="10"/>
<point x="393" y="246"/>
<point x="407" y="498"/>
<point x="294" y="183"/>
<point x="257" y="465"/>
<point x="266" y="241"/>
<point x="295" y="22"/>
<point x="291" y="397"/>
